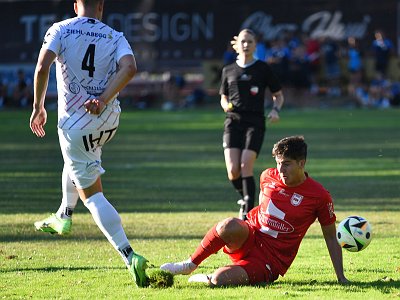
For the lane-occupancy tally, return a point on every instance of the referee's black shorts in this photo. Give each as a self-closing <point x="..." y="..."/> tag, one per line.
<point x="244" y="134"/>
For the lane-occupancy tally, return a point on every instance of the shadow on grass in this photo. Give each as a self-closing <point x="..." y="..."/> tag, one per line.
<point x="183" y="205"/>
<point x="383" y="285"/>
<point x="58" y="269"/>
<point x="83" y="238"/>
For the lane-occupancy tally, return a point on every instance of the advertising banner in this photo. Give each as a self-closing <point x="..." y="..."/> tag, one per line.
<point x="171" y="33"/>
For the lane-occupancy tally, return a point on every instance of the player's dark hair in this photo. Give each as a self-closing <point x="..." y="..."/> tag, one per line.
<point x="293" y="147"/>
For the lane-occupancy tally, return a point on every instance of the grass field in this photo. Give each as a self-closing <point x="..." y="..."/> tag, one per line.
<point x="166" y="177"/>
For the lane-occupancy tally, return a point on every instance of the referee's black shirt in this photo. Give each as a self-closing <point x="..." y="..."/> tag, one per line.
<point x="245" y="87"/>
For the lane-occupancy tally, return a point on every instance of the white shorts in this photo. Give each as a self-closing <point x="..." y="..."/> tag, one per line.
<point x="81" y="150"/>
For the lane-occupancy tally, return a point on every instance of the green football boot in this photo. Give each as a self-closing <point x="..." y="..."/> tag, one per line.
<point x="54" y="224"/>
<point x="137" y="268"/>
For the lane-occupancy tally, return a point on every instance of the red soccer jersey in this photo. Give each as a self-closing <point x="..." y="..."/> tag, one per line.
<point x="285" y="214"/>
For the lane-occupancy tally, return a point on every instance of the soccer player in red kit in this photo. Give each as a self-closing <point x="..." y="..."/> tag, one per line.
<point x="264" y="246"/>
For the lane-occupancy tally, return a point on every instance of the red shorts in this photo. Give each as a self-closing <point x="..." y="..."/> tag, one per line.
<point x="253" y="260"/>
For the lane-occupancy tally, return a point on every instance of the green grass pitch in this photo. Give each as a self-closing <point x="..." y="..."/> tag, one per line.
<point x="166" y="176"/>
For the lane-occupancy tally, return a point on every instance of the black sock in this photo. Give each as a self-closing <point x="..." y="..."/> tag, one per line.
<point x="125" y="254"/>
<point x="249" y="190"/>
<point x="238" y="185"/>
<point x="68" y="212"/>
<point x="128" y="250"/>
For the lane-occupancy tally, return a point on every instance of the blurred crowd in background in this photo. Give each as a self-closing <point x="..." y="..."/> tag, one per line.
<point x="329" y="69"/>
<point x="16" y="89"/>
<point x="309" y="68"/>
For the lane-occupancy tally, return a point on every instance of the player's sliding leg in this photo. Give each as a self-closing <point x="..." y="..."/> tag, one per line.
<point x="231" y="233"/>
<point x="109" y="222"/>
<point x="180" y="268"/>
<point x="210" y="244"/>
<point x="224" y="276"/>
<point x="61" y="221"/>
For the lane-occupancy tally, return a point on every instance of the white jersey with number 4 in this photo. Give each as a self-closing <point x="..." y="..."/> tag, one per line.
<point x="87" y="55"/>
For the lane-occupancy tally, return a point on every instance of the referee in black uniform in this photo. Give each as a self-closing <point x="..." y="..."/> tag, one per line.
<point x="242" y="91"/>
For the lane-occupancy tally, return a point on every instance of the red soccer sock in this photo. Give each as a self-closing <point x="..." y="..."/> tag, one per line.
<point x="210" y="244"/>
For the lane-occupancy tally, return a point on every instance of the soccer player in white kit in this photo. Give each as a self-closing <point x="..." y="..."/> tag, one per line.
<point x="93" y="63"/>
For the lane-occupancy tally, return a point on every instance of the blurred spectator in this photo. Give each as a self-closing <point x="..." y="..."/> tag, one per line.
<point x="293" y="40"/>
<point x="395" y="94"/>
<point x="362" y="96"/>
<point x="314" y="58"/>
<point x="229" y="55"/>
<point x="22" y="92"/>
<point x="3" y="91"/>
<point x="354" y="65"/>
<point x="299" y="70"/>
<point x="377" y="95"/>
<point x="172" y="91"/>
<point x="382" y="48"/>
<point x="298" y="89"/>
<point x="330" y="53"/>
<point x="278" y="59"/>
<point x="261" y="48"/>
<point x="195" y="98"/>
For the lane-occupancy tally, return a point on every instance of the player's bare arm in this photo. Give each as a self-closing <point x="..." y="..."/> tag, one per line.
<point x="41" y="78"/>
<point x="278" y="99"/>
<point x="260" y="198"/>
<point x="335" y="251"/>
<point x="127" y="70"/>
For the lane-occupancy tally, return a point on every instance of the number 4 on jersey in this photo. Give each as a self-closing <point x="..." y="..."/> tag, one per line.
<point x="88" y="60"/>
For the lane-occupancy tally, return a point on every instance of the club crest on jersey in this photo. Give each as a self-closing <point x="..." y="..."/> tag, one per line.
<point x="254" y="90"/>
<point x="245" y="77"/>
<point x="296" y="199"/>
<point x="74" y="88"/>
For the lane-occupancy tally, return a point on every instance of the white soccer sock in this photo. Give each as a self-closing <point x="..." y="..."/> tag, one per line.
<point x="70" y="196"/>
<point x="108" y="220"/>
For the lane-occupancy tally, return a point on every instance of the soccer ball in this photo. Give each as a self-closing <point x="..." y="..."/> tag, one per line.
<point x="354" y="233"/>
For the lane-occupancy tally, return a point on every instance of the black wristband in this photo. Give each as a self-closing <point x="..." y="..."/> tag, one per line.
<point x="276" y="109"/>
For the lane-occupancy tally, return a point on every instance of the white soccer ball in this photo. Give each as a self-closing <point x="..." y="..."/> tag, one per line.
<point x="354" y="233"/>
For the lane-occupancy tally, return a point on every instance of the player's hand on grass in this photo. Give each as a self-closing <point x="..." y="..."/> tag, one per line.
<point x="94" y="106"/>
<point x="37" y="121"/>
